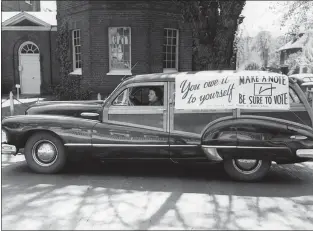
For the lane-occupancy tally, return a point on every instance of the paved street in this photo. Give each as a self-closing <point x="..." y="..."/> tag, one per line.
<point x="159" y="196"/>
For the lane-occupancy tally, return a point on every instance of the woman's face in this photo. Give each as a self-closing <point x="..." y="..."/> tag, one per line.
<point x="152" y="96"/>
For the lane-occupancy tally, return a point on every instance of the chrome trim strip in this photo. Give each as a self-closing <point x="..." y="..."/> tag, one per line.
<point x="77" y="144"/>
<point x="184" y="145"/>
<point x="168" y="145"/>
<point x="251" y="147"/>
<point x="217" y="146"/>
<point x="242" y="147"/>
<point x="130" y="145"/>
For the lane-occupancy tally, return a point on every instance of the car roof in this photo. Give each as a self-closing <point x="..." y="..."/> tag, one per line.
<point x="162" y="77"/>
<point x="302" y="75"/>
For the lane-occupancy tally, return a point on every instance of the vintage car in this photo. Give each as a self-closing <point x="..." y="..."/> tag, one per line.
<point x="126" y="126"/>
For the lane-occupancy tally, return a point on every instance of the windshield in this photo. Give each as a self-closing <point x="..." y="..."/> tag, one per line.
<point x="117" y="87"/>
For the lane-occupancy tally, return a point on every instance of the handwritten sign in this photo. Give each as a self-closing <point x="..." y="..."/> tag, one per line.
<point x="263" y="92"/>
<point x="205" y="90"/>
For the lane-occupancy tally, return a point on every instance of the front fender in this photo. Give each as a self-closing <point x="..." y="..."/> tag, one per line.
<point x="68" y="129"/>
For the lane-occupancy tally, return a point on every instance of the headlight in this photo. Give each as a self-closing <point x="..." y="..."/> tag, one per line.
<point x="3" y="137"/>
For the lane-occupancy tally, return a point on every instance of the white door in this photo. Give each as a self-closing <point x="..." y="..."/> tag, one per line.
<point x="30" y="73"/>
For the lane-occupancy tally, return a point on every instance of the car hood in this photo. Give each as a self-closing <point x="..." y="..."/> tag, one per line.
<point x="66" y="108"/>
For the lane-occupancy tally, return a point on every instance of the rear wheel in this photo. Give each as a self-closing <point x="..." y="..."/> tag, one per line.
<point x="45" y="153"/>
<point x="247" y="170"/>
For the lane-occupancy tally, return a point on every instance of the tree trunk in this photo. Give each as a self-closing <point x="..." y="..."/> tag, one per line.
<point x="215" y="35"/>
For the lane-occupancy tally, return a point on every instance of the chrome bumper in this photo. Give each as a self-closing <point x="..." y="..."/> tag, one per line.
<point x="8" y="149"/>
<point x="305" y="153"/>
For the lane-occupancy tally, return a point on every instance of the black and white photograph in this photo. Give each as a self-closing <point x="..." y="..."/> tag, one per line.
<point x="156" y="115"/>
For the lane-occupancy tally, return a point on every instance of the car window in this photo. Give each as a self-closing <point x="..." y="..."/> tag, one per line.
<point x="141" y="96"/>
<point x="121" y="99"/>
<point x="309" y="94"/>
<point x="294" y="97"/>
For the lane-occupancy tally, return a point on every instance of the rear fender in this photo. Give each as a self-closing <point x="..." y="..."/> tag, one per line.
<point x="268" y="137"/>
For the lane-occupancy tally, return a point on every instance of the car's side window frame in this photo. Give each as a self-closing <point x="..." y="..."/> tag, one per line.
<point x="303" y="105"/>
<point x="148" y="84"/>
<point x="133" y="85"/>
<point x="294" y="106"/>
<point x="127" y="92"/>
<point x="145" y="109"/>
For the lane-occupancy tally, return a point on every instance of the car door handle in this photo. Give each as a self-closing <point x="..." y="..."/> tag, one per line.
<point x="298" y="137"/>
<point x="89" y="114"/>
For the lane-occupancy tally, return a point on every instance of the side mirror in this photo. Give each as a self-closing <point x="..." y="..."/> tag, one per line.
<point x="89" y="114"/>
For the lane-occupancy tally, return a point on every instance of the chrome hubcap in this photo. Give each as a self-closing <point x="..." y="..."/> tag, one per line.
<point x="44" y="153"/>
<point x="247" y="166"/>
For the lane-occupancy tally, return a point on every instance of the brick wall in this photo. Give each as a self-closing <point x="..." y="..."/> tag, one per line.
<point x="67" y="8"/>
<point x="147" y="20"/>
<point x="100" y="22"/>
<point x="20" y="6"/>
<point x="11" y="42"/>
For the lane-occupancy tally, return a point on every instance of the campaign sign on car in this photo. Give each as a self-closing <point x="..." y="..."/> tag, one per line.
<point x="254" y="90"/>
<point x="263" y="92"/>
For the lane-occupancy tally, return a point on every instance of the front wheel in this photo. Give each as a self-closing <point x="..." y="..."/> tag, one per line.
<point x="247" y="170"/>
<point x="45" y="153"/>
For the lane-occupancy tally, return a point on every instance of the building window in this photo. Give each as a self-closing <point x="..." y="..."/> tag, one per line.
<point x="28" y="2"/>
<point x="29" y="48"/>
<point x="77" y="61"/>
<point x="120" y="50"/>
<point x="170" y="50"/>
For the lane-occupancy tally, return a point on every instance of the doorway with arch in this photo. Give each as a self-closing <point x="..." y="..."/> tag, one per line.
<point x="29" y="68"/>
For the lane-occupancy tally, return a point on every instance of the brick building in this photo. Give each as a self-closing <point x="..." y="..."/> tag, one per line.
<point x="111" y="39"/>
<point x="19" y="5"/>
<point x="28" y="52"/>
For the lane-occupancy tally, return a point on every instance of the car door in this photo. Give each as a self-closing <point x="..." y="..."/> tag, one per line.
<point x="131" y="128"/>
<point x="186" y="127"/>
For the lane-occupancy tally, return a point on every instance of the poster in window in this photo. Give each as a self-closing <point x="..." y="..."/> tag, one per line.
<point x="120" y="48"/>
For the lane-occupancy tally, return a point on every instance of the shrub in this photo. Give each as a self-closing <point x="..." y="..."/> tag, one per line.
<point x="69" y="87"/>
<point x="252" y="66"/>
